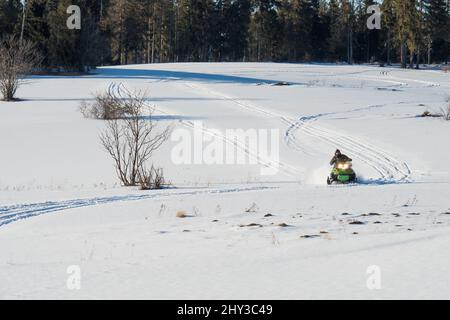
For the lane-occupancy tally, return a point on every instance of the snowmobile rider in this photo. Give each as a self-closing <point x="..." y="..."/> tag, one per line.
<point x="338" y="158"/>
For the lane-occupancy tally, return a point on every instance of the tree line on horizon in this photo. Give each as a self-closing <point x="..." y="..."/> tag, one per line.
<point x="158" y="31"/>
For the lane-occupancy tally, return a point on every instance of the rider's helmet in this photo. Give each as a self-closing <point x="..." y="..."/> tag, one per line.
<point x="338" y="152"/>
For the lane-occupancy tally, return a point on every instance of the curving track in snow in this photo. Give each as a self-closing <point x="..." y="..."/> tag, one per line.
<point x="389" y="167"/>
<point x="12" y="213"/>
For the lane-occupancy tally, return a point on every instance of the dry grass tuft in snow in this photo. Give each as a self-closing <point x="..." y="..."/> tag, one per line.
<point x="182" y="214"/>
<point x="152" y="178"/>
<point x="445" y="111"/>
<point x="253" y="208"/>
<point x="283" y="225"/>
<point x="251" y="225"/>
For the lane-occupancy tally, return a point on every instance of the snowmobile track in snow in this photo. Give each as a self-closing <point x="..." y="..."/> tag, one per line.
<point x="239" y="145"/>
<point x="390" y="169"/>
<point x="11" y="213"/>
<point x="279" y="165"/>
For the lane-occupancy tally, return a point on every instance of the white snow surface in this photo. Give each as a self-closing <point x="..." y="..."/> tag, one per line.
<point x="247" y="235"/>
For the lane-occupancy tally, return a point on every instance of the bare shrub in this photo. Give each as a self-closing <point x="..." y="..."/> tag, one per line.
<point x="152" y="178"/>
<point x="17" y="59"/>
<point x="107" y="105"/>
<point x="429" y="114"/>
<point x="131" y="140"/>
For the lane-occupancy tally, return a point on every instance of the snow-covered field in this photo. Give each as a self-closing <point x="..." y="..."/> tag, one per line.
<point x="282" y="236"/>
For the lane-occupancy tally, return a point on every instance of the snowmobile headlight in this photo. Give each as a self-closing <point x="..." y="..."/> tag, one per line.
<point x="344" y="166"/>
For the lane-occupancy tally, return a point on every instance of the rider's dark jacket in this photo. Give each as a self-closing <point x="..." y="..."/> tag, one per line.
<point x="339" y="158"/>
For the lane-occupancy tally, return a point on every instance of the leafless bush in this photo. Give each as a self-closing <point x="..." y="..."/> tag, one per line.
<point x="107" y="105"/>
<point x="17" y="59"/>
<point x="445" y="111"/>
<point x="131" y="140"/>
<point x="152" y="178"/>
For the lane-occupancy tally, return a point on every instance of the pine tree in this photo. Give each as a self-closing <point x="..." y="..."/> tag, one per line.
<point x="389" y="22"/>
<point x="406" y="28"/>
<point x="120" y="23"/>
<point x="10" y="12"/>
<point x="348" y="15"/>
<point x="265" y="29"/>
<point x="195" y="29"/>
<point x="336" y="41"/>
<point x="230" y="29"/>
<point x="437" y="19"/>
<point x="321" y="32"/>
<point x="151" y="31"/>
<point x="361" y="49"/>
<point x="36" y="26"/>
<point x="308" y="16"/>
<point x="287" y="24"/>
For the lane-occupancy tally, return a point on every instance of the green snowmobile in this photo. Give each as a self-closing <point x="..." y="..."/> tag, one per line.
<point x="342" y="173"/>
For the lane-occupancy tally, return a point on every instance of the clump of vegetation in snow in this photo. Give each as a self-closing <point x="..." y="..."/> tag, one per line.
<point x="183" y="214"/>
<point x="445" y="111"/>
<point x="251" y="225"/>
<point x="252" y="209"/>
<point x="108" y="105"/>
<point x="429" y="114"/>
<point x="152" y="178"/>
